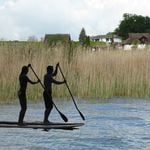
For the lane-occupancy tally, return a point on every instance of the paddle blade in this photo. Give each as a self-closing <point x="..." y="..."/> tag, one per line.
<point x="63" y="117"/>
<point x="82" y="115"/>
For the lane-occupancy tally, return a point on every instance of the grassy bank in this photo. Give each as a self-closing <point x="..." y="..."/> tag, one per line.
<point x="101" y="74"/>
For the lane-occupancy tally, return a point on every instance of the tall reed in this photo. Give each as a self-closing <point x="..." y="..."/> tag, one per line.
<point x="101" y="74"/>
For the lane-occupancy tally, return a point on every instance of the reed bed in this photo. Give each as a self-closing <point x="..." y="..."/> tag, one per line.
<point x="89" y="74"/>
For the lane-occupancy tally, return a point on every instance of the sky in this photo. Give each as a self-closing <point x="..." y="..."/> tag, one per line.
<point x="20" y="19"/>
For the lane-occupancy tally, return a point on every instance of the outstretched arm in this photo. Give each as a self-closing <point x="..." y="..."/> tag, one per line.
<point x="32" y="82"/>
<point x="58" y="82"/>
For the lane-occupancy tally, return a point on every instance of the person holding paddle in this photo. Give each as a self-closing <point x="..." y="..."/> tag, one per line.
<point x="47" y="94"/>
<point x="23" y="80"/>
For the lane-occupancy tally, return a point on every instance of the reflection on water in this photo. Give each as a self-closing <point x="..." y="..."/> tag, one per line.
<point x="118" y="124"/>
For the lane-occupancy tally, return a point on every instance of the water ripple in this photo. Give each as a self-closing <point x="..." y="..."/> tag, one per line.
<point x="120" y="124"/>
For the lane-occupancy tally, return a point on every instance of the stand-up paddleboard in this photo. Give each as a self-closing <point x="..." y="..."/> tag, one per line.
<point x="40" y="125"/>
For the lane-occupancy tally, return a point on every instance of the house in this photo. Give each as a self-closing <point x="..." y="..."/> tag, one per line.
<point x="106" y="38"/>
<point x="53" y="39"/>
<point x="141" y="38"/>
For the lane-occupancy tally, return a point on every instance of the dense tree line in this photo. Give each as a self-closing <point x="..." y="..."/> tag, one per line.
<point x="133" y="23"/>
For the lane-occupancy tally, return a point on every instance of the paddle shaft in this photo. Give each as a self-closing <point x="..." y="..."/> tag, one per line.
<point x="61" y="114"/>
<point x="71" y="94"/>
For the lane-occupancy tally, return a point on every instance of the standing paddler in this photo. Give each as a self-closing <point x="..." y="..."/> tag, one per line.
<point x="23" y="80"/>
<point x="47" y="94"/>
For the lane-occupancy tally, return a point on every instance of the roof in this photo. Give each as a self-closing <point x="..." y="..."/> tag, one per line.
<point x="98" y="37"/>
<point x="64" y="38"/>
<point x="139" y="35"/>
<point x="103" y="36"/>
<point x="136" y="36"/>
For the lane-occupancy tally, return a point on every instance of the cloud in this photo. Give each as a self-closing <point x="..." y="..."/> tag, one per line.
<point x="23" y="18"/>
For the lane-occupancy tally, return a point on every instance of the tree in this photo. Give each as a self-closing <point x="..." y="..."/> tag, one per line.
<point x="32" y="38"/>
<point x="132" y="23"/>
<point x="82" y="37"/>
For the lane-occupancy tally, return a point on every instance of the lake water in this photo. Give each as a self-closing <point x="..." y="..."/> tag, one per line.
<point x="115" y="124"/>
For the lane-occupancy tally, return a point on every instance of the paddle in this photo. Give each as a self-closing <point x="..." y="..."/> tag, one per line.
<point x="61" y="114"/>
<point x="71" y="94"/>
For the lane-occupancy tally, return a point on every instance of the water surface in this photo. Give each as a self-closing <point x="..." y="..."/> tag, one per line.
<point x="115" y="124"/>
